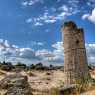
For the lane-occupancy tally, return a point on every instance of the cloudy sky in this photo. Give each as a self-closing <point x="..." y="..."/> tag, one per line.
<point x="30" y="29"/>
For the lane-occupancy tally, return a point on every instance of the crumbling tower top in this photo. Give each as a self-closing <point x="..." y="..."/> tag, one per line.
<point x="70" y="25"/>
<point x="71" y="28"/>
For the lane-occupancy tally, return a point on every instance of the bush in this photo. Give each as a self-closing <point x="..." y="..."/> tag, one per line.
<point x="83" y="85"/>
<point x="54" y="91"/>
<point x="30" y="73"/>
<point x="21" y="65"/>
<point x="7" y="66"/>
<point x="32" y="66"/>
<point x="39" y="66"/>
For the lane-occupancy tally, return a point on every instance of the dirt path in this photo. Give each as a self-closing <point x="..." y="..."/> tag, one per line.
<point x="89" y="93"/>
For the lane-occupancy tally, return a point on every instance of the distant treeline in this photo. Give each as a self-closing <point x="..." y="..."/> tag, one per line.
<point x="8" y="66"/>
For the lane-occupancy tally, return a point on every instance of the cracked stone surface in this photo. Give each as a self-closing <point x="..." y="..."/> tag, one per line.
<point x="15" y="85"/>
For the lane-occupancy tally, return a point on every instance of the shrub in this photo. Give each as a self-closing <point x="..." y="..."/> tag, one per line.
<point x="54" y="91"/>
<point x="39" y="66"/>
<point x="7" y="66"/>
<point x="21" y="65"/>
<point x="30" y="74"/>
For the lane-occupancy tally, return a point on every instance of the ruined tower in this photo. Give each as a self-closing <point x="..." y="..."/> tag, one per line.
<point x="75" y="60"/>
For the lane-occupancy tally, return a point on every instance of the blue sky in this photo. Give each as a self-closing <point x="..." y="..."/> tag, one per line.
<point x="30" y="29"/>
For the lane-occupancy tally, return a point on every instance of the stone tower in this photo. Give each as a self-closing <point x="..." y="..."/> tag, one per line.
<point x="75" y="60"/>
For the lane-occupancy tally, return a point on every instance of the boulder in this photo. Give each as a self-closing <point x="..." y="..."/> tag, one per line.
<point x="16" y="85"/>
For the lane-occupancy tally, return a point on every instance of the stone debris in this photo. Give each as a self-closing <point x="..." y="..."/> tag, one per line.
<point x="15" y="85"/>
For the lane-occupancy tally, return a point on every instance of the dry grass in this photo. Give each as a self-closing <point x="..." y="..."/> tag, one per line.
<point x="50" y="82"/>
<point x="30" y="74"/>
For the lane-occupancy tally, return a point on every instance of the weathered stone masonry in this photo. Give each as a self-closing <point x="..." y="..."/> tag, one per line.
<point x="75" y="60"/>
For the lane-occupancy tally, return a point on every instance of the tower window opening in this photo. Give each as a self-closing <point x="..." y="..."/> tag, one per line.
<point x="77" y="42"/>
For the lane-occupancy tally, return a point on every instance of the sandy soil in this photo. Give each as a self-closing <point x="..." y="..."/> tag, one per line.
<point x="92" y="92"/>
<point x="46" y="80"/>
<point x="43" y="80"/>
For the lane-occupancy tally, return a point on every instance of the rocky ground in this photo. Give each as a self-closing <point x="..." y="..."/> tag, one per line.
<point x="38" y="81"/>
<point x="33" y="82"/>
<point x="15" y="84"/>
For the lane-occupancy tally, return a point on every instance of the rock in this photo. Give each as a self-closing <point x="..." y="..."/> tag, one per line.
<point x="15" y="85"/>
<point x="18" y="91"/>
<point x="68" y="90"/>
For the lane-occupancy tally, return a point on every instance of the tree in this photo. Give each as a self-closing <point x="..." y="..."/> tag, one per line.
<point x="21" y="65"/>
<point x="51" y="66"/>
<point x="32" y="66"/>
<point x="7" y="66"/>
<point x="39" y="66"/>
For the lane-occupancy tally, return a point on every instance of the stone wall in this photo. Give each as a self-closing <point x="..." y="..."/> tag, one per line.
<point x="75" y="60"/>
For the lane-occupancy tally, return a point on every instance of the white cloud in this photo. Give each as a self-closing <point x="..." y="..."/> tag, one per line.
<point x="51" y="57"/>
<point x="40" y="43"/>
<point x="90" y="52"/>
<point x="53" y="14"/>
<point x="26" y="53"/>
<point x="31" y="2"/>
<point x="20" y="54"/>
<point x="44" y="53"/>
<point x="59" y="52"/>
<point x="64" y="8"/>
<point x="47" y="18"/>
<point x="55" y="56"/>
<point x="90" y="17"/>
<point x="7" y="43"/>
<point x="50" y="21"/>
<point x="24" y="3"/>
<point x="91" y="3"/>
<point x="38" y="24"/>
<point x="73" y="1"/>
<point x="58" y="45"/>
<point x="8" y="50"/>
<point x="90" y="48"/>
<point x="85" y="16"/>
<point x="91" y="60"/>
<point x="29" y="20"/>
<point x="35" y="43"/>
<point x="62" y="15"/>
